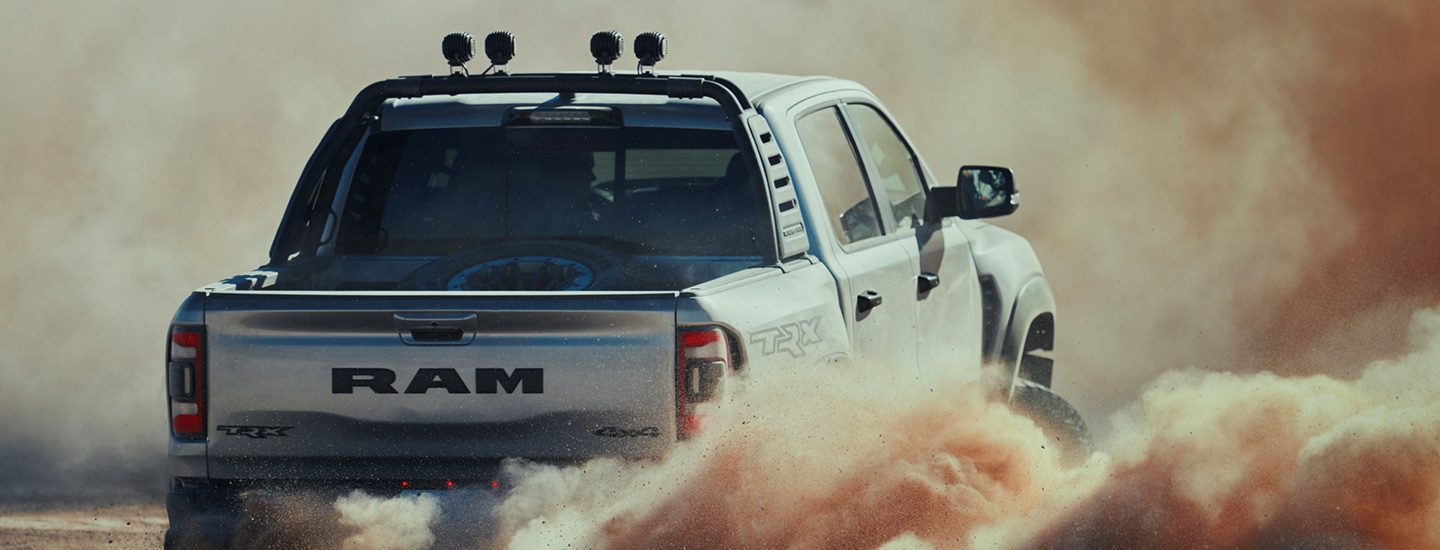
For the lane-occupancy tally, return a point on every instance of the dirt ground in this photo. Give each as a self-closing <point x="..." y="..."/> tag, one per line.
<point x="104" y="525"/>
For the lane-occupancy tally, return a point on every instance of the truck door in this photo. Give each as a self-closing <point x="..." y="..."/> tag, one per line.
<point x="946" y="288"/>
<point x="873" y="269"/>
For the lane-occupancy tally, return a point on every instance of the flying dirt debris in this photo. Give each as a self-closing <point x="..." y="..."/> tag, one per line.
<point x="1238" y="187"/>
<point x="1204" y="458"/>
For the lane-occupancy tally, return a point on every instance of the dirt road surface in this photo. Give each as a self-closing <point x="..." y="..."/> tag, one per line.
<point x="63" y="527"/>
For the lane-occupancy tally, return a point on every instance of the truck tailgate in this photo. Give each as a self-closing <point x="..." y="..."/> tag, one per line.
<point x="300" y="384"/>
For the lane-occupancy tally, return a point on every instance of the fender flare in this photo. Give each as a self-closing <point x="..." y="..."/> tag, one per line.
<point x="1031" y="328"/>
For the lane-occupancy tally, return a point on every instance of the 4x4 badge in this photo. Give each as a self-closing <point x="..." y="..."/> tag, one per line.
<point x="255" y="432"/>
<point x="611" y="431"/>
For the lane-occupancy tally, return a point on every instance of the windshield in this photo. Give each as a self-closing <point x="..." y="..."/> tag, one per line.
<point x="435" y="192"/>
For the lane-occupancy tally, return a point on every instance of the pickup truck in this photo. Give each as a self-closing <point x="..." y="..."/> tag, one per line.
<point x="561" y="266"/>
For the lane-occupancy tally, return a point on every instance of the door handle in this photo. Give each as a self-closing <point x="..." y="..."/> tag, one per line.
<point x="867" y="301"/>
<point x="927" y="282"/>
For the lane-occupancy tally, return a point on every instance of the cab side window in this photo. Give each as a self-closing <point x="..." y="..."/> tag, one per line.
<point x="838" y="173"/>
<point x="894" y="163"/>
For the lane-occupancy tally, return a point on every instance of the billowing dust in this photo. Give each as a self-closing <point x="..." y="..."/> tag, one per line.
<point x="869" y="459"/>
<point x="1241" y="186"/>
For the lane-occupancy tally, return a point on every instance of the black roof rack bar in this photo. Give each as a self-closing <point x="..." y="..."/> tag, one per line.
<point x="734" y="89"/>
<point x="723" y="92"/>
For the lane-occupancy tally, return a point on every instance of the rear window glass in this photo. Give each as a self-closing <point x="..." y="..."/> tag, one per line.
<point x="638" y="190"/>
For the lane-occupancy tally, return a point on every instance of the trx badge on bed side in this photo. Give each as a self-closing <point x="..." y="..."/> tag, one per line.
<point x="255" y="432"/>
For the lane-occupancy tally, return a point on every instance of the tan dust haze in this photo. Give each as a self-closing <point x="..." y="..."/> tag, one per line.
<point x="1258" y="460"/>
<point x="1217" y="459"/>
<point x="871" y="459"/>
<point x="1237" y="186"/>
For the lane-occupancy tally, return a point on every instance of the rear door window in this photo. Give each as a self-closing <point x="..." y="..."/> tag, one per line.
<point x="837" y="171"/>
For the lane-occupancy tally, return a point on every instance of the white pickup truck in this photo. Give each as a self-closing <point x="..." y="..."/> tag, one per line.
<point x="561" y="266"/>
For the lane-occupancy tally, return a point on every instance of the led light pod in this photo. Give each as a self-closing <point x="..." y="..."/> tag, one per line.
<point x="459" y="48"/>
<point x="650" y="48"/>
<point x="500" y="47"/>
<point x="606" y="47"/>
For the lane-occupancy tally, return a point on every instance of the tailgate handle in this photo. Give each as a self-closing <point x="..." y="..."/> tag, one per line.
<point x="431" y="335"/>
<point x="432" y="329"/>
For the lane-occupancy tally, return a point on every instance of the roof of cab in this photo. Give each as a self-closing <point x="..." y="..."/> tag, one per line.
<point x="758" y="85"/>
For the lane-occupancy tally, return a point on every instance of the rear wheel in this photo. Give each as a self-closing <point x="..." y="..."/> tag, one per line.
<point x="1061" y="423"/>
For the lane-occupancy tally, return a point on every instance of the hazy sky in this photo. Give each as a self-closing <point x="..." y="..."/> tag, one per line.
<point x="1237" y="185"/>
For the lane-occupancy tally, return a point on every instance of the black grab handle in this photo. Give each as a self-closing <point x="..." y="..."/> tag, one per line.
<point x="867" y="301"/>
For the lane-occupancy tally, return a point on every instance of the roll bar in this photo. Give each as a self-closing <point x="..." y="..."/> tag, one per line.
<point x="343" y="133"/>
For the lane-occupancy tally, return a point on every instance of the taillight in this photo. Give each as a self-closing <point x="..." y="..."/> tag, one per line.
<point x="702" y="369"/>
<point x="185" y="379"/>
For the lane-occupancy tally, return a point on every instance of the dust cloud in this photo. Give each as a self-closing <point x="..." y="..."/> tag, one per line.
<point x="351" y="520"/>
<point x="388" y="524"/>
<point x="870" y="459"/>
<point x="1202" y="459"/>
<point x="1239" y="186"/>
<point x="1227" y="460"/>
<point x="1300" y="214"/>
<point x="855" y="462"/>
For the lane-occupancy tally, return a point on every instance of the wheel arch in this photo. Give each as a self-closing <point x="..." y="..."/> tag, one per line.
<point x="1030" y="332"/>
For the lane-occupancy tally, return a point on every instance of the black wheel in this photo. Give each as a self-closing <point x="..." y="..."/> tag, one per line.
<point x="521" y="265"/>
<point x="1060" y="422"/>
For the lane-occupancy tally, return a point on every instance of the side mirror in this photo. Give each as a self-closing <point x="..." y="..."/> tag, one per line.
<point x="980" y="192"/>
<point x="986" y="192"/>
